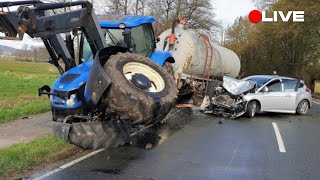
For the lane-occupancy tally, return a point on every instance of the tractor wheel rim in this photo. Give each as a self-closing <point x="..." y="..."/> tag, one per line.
<point x="132" y="68"/>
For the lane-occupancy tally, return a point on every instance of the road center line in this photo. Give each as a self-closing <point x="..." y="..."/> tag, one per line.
<point x="69" y="164"/>
<point x="315" y="102"/>
<point x="279" y="138"/>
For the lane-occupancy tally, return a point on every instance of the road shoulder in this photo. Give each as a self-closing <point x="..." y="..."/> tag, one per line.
<point x="25" y="130"/>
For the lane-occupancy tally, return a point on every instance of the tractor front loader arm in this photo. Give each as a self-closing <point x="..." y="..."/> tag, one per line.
<point x="39" y="19"/>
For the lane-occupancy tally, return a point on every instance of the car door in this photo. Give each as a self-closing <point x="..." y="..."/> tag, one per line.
<point x="291" y="93"/>
<point x="275" y="99"/>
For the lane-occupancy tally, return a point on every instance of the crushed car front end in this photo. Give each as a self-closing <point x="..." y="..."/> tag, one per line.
<point x="226" y="98"/>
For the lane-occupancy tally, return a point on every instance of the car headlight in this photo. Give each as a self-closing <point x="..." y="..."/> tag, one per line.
<point x="71" y="100"/>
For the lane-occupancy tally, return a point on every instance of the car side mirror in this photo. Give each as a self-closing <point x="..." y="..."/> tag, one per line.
<point x="265" y="89"/>
<point x="157" y="40"/>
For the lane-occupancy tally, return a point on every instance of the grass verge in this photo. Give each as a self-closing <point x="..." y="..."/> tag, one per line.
<point x="19" y="83"/>
<point x="21" y="157"/>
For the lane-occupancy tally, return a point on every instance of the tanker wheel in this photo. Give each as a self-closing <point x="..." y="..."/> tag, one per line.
<point x="141" y="90"/>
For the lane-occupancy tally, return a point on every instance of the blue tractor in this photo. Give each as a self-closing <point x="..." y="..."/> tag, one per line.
<point x="134" y="33"/>
<point x="116" y="88"/>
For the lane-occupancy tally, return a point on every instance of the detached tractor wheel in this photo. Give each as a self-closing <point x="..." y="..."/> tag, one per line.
<point x="251" y="109"/>
<point x="303" y="107"/>
<point x="141" y="90"/>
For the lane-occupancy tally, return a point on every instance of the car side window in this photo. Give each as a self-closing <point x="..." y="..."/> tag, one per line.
<point x="275" y="86"/>
<point x="290" y="85"/>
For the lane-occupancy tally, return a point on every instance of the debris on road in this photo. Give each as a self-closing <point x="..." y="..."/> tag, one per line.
<point x="149" y="146"/>
<point x="26" y="117"/>
<point x="226" y="99"/>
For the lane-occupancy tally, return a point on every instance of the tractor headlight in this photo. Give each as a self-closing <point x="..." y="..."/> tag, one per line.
<point x="122" y="25"/>
<point x="51" y="98"/>
<point x="71" y="100"/>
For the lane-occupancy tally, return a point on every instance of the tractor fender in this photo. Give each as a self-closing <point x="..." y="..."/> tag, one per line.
<point x="98" y="80"/>
<point x="160" y="57"/>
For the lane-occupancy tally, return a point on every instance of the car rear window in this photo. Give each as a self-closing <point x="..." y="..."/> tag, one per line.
<point x="290" y="85"/>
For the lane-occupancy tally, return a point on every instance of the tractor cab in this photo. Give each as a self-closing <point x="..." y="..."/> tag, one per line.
<point x="132" y="32"/>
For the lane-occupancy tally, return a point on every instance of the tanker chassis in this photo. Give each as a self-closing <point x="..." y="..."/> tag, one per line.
<point x="197" y="59"/>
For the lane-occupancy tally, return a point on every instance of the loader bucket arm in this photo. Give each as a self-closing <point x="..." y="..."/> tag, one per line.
<point x="32" y="17"/>
<point x="9" y="20"/>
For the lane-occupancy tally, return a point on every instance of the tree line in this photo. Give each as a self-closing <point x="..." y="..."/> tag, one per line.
<point x="199" y="14"/>
<point x="289" y="48"/>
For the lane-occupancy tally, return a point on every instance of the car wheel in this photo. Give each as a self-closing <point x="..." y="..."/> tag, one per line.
<point x="251" y="109"/>
<point x="303" y="107"/>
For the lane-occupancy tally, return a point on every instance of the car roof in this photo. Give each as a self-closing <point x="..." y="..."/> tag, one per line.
<point x="129" y="20"/>
<point x="270" y="77"/>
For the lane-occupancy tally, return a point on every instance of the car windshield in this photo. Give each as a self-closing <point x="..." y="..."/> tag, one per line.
<point x="259" y="80"/>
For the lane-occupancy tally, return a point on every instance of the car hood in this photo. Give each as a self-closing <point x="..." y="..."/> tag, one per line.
<point x="237" y="87"/>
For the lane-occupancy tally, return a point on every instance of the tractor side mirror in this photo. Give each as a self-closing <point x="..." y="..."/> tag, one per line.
<point x="265" y="89"/>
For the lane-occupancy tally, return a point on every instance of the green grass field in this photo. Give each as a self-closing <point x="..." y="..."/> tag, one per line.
<point x="19" y="83"/>
<point x="21" y="157"/>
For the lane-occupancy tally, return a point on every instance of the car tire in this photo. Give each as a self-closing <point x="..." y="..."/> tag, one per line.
<point x="131" y="102"/>
<point x="251" y="109"/>
<point x="303" y="107"/>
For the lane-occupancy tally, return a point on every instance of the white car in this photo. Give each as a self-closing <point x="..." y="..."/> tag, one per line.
<point x="278" y="94"/>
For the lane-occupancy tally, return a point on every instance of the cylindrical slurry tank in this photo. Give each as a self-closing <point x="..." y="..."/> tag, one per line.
<point x="192" y="54"/>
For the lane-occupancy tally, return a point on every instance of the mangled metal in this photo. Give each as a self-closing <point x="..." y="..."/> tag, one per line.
<point x="237" y="87"/>
<point x="227" y="98"/>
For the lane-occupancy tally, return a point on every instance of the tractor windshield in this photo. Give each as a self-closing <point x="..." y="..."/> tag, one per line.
<point x="142" y="40"/>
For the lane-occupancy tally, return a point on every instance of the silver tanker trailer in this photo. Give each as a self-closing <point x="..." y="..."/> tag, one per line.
<point x="197" y="59"/>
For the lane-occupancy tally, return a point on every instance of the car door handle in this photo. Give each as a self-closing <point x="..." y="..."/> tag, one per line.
<point x="287" y="96"/>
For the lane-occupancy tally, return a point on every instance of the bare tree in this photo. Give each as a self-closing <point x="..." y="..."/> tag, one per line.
<point x="263" y="4"/>
<point x="198" y="13"/>
<point x="139" y="6"/>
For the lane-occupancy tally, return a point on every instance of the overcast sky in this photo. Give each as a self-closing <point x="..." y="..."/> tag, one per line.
<point x="227" y="11"/>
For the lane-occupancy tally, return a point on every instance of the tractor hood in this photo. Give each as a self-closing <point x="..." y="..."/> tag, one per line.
<point x="74" y="78"/>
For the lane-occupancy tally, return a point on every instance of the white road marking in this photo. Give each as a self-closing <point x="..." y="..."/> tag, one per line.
<point x="315" y="102"/>
<point x="69" y="164"/>
<point x="279" y="138"/>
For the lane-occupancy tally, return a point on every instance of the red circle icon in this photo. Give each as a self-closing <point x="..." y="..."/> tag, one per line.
<point x="255" y="16"/>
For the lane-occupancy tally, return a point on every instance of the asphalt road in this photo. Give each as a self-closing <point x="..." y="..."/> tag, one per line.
<point x="196" y="146"/>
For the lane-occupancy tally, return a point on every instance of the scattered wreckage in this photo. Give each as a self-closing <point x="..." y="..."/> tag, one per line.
<point x="225" y="99"/>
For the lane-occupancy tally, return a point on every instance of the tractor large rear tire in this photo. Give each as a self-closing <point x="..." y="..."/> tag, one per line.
<point x="131" y="102"/>
<point x="94" y="135"/>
